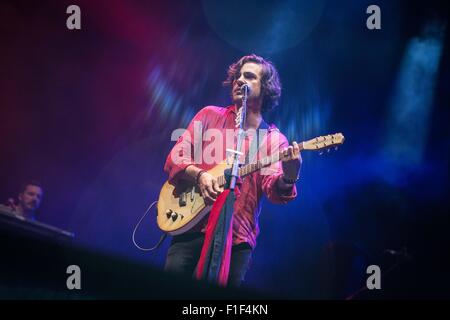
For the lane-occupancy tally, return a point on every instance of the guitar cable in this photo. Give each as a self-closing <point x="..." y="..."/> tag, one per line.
<point x="137" y="226"/>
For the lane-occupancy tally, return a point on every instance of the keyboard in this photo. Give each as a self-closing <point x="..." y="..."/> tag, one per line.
<point x="11" y="221"/>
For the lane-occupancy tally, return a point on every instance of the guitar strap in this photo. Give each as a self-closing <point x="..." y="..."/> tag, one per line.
<point x="215" y="256"/>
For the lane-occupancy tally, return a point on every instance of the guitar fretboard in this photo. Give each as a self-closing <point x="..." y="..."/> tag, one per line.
<point x="252" y="167"/>
<point x="315" y="144"/>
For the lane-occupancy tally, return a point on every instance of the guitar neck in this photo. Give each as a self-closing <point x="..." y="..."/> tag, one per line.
<point x="252" y="167"/>
<point x="315" y="144"/>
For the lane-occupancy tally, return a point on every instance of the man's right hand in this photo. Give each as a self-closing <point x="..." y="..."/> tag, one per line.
<point x="209" y="187"/>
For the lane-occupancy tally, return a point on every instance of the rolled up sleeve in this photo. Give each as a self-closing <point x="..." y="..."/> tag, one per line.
<point x="271" y="176"/>
<point x="182" y="153"/>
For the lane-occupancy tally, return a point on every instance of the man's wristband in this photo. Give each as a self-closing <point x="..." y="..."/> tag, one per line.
<point x="198" y="175"/>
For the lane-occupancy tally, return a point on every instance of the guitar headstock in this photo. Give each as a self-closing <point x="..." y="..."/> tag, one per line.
<point x="324" y="142"/>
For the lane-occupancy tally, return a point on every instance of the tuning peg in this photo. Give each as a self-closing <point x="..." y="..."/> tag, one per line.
<point x="335" y="148"/>
<point x="320" y="152"/>
<point x="328" y="150"/>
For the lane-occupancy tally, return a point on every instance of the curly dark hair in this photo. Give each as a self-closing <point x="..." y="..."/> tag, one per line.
<point x="270" y="81"/>
<point x="27" y="183"/>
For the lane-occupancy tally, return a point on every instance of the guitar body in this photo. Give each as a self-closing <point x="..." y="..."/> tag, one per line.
<point x="181" y="207"/>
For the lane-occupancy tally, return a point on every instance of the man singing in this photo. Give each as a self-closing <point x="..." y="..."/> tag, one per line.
<point x="277" y="183"/>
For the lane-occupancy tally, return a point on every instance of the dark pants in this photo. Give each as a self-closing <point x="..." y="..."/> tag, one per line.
<point x="185" y="249"/>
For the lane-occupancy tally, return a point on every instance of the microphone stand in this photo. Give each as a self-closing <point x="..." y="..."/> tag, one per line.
<point x="241" y="134"/>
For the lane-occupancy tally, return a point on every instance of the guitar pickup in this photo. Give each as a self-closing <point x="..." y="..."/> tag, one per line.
<point x="182" y="200"/>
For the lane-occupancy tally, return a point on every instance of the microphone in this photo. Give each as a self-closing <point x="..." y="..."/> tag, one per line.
<point x="245" y="88"/>
<point x="403" y="253"/>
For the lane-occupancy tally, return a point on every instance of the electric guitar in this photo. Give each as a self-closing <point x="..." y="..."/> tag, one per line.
<point x="181" y="207"/>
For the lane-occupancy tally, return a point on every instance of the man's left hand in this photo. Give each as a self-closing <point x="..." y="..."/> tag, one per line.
<point x="291" y="162"/>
